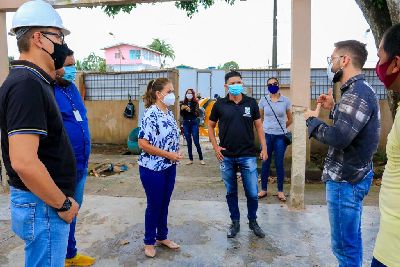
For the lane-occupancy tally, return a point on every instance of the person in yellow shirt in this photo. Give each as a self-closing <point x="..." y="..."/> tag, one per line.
<point x="387" y="246"/>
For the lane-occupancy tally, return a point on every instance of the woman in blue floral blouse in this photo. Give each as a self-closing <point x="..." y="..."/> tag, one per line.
<point x="159" y="140"/>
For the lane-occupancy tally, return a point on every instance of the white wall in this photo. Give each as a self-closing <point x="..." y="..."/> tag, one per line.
<point x="201" y="80"/>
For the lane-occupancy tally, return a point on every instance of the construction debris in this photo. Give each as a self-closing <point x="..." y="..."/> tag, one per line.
<point x="107" y="168"/>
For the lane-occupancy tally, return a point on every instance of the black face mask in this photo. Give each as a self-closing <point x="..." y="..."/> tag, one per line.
<point x="338" y="76"/>
<point x="59" y="55"/>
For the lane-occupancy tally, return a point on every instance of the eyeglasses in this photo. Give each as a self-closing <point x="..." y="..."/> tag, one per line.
<point x="60" y="36"/>
<point x="271" y="84"/>
<point x="330" y="59"/>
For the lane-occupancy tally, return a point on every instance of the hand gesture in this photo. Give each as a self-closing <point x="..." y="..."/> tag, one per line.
<point x="175" y="156"/>
<point x="326" y="101"/>
<point x="70" y="214"/>
<point x="218" y="153"/>
<point x="312" y="113"/>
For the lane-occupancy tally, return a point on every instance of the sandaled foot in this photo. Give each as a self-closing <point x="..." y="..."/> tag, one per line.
<point x="190" y="162"/>
<point x="149" y="251"/>
<point x="281" y="196"/>
<point x="262" y="194"/>
<point x="168" y="243"/>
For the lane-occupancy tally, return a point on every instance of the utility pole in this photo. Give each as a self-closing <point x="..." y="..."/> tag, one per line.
<point x="275" y="37"/>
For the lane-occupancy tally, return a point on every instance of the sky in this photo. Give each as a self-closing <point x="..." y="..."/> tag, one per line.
<point x="242" y="32"/>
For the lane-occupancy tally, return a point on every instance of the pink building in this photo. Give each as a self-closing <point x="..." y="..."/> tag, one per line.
<point x="129" y="57"/>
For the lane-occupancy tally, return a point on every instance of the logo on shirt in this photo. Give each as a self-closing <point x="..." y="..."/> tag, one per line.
<point x="247" y="112"/>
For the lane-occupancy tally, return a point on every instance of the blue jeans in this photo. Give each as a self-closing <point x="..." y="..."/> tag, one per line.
<point x="158" y="186"/>
<point x="275" y="144"/>
<point x="78" y="196"/>
<point x="191" y="128"/>
<point x="376" y="263"/>
<point x="248" y="170"/>
<point x="345" y="209"/>
<point x="44" y="232"/>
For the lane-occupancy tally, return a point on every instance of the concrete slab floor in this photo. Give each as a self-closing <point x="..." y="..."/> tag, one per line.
<point x="111" y="229"/>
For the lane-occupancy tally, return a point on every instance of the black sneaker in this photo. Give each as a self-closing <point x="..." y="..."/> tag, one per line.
<point x="253" y="225"/>
<point x="234" y="228"/>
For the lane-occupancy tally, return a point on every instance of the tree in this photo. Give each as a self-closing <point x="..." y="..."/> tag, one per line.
<point x="191" y="7"/>
<point x="164" y="48"/>
<point x="230" y="65"/>
<point x="92" y="63"/>
<point x="380" y="15"/>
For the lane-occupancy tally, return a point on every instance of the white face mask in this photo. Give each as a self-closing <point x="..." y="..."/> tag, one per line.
<point x="329" y="72"/>
<point x="189" y="96"/>
<point x="169" y="99"/>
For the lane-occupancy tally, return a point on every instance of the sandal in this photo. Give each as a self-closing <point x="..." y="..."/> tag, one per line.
<point x="149" y="251"/>
<point x="168" y="243"/>
<point x="262" y="194"/>
<point x="281" y="198"/>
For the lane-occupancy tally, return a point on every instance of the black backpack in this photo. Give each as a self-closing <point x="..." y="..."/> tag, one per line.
<point x="129" y="109"/>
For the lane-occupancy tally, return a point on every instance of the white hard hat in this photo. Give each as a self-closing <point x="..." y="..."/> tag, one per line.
<point x="37" y="13"/>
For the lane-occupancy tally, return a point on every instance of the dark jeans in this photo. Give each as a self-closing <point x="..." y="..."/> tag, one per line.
<point x="248" y="170"/>
<point x="345" y="204"/>
<point x="78" y="196"/>
<point x="275" y="145"/>
<point x="158" y="186"/>
<point x="376" y="263"/>
<point x="191" y="128"/>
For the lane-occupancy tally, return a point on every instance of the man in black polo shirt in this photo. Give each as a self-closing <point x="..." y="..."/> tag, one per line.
<point x="236" y="115"/>
<point x="36" y="151"/>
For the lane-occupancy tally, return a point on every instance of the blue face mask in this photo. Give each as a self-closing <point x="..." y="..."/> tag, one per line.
<point x="235" y="89"/>
<point x="273" y="89"/>
<point x="69" y="73"/>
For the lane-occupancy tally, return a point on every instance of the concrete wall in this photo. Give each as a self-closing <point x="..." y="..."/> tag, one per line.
<point x="107" y="123"/>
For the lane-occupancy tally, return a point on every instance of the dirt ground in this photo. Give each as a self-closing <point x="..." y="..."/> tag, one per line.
<point x="194" y="182"/>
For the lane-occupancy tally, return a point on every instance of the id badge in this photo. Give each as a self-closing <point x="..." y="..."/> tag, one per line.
<point x="77" y="115"/>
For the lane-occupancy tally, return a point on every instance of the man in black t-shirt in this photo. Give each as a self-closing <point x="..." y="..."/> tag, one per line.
<point x="237" y="114"/>
<point x="36" y="151"/>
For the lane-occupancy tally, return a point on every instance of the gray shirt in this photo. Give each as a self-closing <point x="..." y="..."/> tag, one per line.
<point x="280" y="107"/>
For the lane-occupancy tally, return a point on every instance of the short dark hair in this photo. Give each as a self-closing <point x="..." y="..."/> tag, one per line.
<point x="391" y="41"/>
<point x="357" y="50"/>
<point x="272" y="78"/>
<point x="231" y="74"/>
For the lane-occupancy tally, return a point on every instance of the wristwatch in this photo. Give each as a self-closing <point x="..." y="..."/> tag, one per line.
<point x="66" y="206"/>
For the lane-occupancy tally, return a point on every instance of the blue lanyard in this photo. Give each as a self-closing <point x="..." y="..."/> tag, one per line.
<point x="70" y="99"/>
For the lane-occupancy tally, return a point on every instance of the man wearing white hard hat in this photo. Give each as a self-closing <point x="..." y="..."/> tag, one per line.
<point x="36" y="151"/>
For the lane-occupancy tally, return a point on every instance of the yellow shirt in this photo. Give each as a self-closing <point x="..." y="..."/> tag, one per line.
<point x="387" y="246"/>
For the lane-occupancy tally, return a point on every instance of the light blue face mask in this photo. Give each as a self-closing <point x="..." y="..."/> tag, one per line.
<point x="235" y="89"/>
<point x="69" y="73"/>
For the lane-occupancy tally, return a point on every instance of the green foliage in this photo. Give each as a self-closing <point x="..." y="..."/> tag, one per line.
<point x="230" y="65"/>
<point x="191" y="7"/>
<point x="164" y="48"/>
<point x="113" y="10"/>
<point x="380" y="4"/>
<point x="92" y="63"/>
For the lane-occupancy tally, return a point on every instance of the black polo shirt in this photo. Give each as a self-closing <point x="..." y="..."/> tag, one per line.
<point x="235" y="122"/>
<point x="28" y="106"/>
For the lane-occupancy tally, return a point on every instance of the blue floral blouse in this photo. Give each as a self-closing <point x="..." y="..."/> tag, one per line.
<point x="161" y="130"/>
